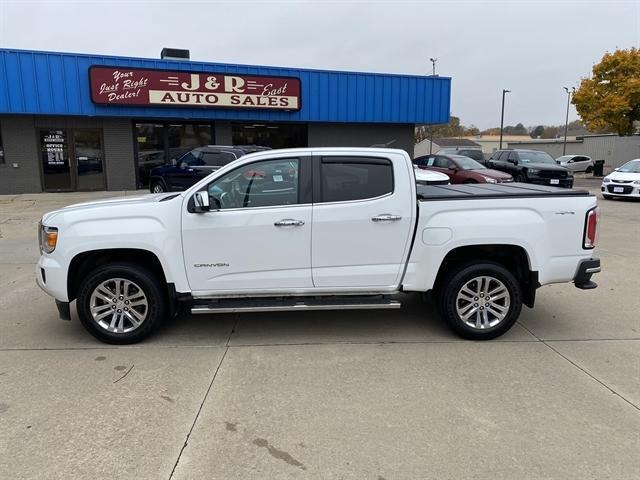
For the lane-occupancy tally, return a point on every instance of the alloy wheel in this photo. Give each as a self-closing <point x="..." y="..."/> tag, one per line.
<point x="483" y="302"/>
<point x="118" y="305"/>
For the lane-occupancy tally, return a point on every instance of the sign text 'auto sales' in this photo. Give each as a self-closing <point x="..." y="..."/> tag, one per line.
<point x="142" y="87"/>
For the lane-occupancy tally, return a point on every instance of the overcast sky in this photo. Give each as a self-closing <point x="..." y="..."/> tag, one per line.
<point x="532" y="48"/>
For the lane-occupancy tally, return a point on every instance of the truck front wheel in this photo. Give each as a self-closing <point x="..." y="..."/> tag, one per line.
<point x="121" y="303"/>
<point x="480" y="301"/>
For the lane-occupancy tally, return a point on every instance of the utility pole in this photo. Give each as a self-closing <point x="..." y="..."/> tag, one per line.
<point x="433" y="65"/>
<point x="504" y="92"/>
<point x="566" y="120"/>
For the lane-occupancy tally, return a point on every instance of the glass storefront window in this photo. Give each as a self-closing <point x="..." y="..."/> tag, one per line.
<point x="159" y="143"/>
<point x="1" y="148"/>
<point x="151" y="149"/>
<point x="274" y="135"/>
<point x="88" y="156"/>
<point x="183" y="138"/>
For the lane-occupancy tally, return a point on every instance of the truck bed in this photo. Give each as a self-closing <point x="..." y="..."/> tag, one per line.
<point x="493" y="190"/>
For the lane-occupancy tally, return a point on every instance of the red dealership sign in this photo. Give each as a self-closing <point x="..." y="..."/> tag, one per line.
<point x="142" y="87"/>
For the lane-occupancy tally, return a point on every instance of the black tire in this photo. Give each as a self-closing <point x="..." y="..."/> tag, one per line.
<point x="521" y="178"/>
<point x="157" y="186"/>
<point x="155" y="297"/>
<point x="449" y="301"/>
<point x="589" y="169"/>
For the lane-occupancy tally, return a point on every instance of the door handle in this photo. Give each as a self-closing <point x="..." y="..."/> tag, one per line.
<point x="386" y="217"/>
<point x="289" y="222"/>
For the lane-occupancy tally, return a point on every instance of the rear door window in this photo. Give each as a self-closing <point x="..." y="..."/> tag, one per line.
<point x="354" y="178"/>
<point x="217" y="159"/>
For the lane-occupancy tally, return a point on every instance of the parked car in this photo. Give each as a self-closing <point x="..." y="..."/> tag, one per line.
<point x="427" y="177"/>
<point x="623" y="181"/>
<point x="576" y="163"/>
<point x="194" y="165"/>
<point x="531" y="166"/>
<point x="317" y="229"/>
<point x="461" y="169"/>
<point x="475" y="153"/>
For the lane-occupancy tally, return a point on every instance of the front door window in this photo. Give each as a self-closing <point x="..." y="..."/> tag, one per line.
<point x="261" y="184"/>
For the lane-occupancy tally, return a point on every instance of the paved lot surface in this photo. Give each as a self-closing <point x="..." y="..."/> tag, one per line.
<point x="374" y="395"/>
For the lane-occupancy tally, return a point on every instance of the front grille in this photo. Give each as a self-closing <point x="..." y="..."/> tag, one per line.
<point x="625" y="190"/>
<point x="622" y="181"/>
<point x="552" y="174"/>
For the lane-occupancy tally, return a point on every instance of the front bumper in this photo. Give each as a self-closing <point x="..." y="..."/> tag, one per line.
<point x="586" y="268"/>
<point x="620" y="189"/>
<point x="562" y="182"/>
<point x="51" y="277"/>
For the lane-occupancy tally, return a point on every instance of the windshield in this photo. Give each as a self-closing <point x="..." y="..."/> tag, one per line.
<point x="631" y="167"/>
<point x="536" y="157"/>
<point x="466" y="163"/>
<point x="564" y="158"/>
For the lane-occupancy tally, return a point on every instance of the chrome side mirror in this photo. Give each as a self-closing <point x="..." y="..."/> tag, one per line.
<point x="201" y="202"/>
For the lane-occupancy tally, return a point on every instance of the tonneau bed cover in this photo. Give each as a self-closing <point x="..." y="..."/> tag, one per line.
<point x="493" y="190"/>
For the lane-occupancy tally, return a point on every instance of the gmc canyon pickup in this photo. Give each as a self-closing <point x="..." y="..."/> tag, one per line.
<point x="316" y="229"/>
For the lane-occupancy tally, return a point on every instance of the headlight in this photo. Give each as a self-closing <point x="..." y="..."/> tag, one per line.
<point x="636" y="182"/>
<point x="490" y="180"/>
<point x="606" y="180"/>
<point x="48" y="237"/>
<point x="533" y="171"/>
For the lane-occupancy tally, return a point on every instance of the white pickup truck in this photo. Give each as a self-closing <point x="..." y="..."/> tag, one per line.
<point x="316" y="229"/>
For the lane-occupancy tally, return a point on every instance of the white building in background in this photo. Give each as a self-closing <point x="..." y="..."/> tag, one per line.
<point x="425" y="148"/>
<point x="491" y="143"/>
<point x="611" y="148"/>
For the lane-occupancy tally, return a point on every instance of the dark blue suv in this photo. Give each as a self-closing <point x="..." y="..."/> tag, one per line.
<point x="192" y="166"/>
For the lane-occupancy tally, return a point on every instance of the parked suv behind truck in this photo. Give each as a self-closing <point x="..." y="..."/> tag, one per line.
<point x="531" y="166"/>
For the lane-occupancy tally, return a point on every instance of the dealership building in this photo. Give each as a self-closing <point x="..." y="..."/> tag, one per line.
<point x="90" y="122"/>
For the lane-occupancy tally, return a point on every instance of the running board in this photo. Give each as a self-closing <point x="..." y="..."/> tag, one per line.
<point x="295" y="304"/>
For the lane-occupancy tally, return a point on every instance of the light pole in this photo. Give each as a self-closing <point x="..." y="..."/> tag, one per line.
<point x="566" y="120"/>
<point x="433" y="64"/>
<point x="504" y="92"/>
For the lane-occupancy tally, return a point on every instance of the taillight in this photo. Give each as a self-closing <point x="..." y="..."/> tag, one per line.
<point x="591" y="228"/>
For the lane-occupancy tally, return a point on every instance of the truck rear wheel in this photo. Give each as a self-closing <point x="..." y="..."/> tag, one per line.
<point x="480" y="301"/>
<point x="121" y="303"/>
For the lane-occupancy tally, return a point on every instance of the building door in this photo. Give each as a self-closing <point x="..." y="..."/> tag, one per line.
<point x="72" y="159"/>
<point x="56" y="167"/>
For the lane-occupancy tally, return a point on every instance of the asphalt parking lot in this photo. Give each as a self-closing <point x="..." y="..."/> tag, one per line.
<point x="331" y="395"/>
